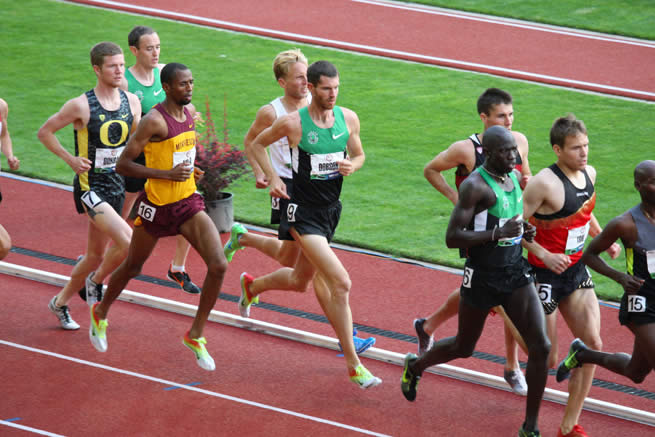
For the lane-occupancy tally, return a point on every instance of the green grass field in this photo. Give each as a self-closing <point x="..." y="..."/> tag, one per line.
<point x="408" y="112"/>
<point x="623" y="17"/>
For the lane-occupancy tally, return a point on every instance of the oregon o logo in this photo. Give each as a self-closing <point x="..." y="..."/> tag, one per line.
<point x="104" y="133"/>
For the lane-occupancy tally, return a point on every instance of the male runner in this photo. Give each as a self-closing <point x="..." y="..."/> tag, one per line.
<point x="290" y="70"/>
<point x="486" y="221"/>
<point x="325" y="147"/>
<point x="169" y="206"/>
<point x="14" y="163"/>
<point x="495" y="109"/>
<point x="102" y="118"/>
<point x="143" y="80"/>
<point x="559" y="201"/>
<point x="636" y="230"/>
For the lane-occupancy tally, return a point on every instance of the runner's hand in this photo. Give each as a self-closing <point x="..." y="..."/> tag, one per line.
<point x="557" y="262"/>
<point x="529" y="231"/>
<point x="13" y="162"/>
<point x="260" y="180"/>
<point x="346" y="167"/>
<point x="631" y="284"/>
<point x="512" y="228"/>
<point x="180" y="172"/>
<point x="277" y="188"/>
<point x="614" y="250"/>
<point x="80" y="164"/>
<point x="198" y="173"/>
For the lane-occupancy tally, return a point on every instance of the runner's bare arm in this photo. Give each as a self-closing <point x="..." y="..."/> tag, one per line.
<point x="5" y="139"/>
<point x="288" y="126"/>
<point x="452" y="157"/>
<point x="75" y="112"/>
<point x="356" y="157"/>
<point x="264" y="118"/>
<point x="623" y="228"/>
<point x="152" y="127"/>
<point x="534" y="196"/>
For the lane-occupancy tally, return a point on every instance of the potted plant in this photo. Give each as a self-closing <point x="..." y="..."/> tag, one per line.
<point x="223" y="163"/>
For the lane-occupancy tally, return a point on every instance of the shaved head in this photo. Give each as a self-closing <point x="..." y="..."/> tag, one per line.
<point x="496" y="136"/>
<point x="644" y="170"/>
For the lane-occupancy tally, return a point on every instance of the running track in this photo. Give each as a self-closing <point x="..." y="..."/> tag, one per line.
<point x="148" y="383"/>
<point x="266" y="373"/>
<point x="559" y="56"/>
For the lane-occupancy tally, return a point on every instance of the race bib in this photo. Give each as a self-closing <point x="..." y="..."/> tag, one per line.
<point x="186" y="157"/>
<point x="106" y="159"/>
<point x="575" y="239"/>
<point x="291" y="212"/>
<point x="147" y="212"/>
<point x="91" y="199"/>
<point x="545" y="293"/>
<point x="325" y="166"/>
<point x="636" y="303"/>
<point x="468" y="277"/>
<point x="650" y="260"/>
<point x="509" y="241"/>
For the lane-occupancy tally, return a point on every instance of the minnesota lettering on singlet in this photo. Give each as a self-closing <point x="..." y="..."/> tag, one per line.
<point x="178" y="147"/>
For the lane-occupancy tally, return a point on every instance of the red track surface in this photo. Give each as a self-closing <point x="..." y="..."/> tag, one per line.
<point x="565" y="57"/>
<point x="309" y="380"/>
<point x="78" y="398"/>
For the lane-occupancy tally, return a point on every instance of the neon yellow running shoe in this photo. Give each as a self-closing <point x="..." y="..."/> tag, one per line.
<point x="363" y="378"/>
<point x="246" y="298"/>
<point x="197" y="345"/>
<point x="98" y="331"/>
<point x="571" y="361"/>
<point x="232" y="244"/>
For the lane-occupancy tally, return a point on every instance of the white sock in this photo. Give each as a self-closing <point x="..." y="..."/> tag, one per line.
<point x="175" y="268"/>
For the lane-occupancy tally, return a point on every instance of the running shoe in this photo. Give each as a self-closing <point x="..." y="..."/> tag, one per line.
<point x="516" y="381"/>
<point x="577" y="431"/>
<point x="63" y="314"/>
<point x="184" y="281"/>
<point x="197" y="345"/>
<point x="232" y="244"/>
<point x="361" y="344"/>
<point x="98" y="331"/>
<point x="571" y="361"/>
<point x="363" y="378"/>
<point x="424" y="340"/>
<point x="93" y="291"/>
<point x="408" y="380"/>
<point x="524" y="433"/>
<point x="246" y="299"/>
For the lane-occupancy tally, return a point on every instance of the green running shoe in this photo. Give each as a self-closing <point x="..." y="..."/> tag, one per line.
<point x="571" y="361"/>
<point x="232" y="244"/>
<point x="408" y="380"/>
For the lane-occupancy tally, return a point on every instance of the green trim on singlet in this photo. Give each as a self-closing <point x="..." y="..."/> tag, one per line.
<point x="508" y="204"/>
<point x="149" y="96"/>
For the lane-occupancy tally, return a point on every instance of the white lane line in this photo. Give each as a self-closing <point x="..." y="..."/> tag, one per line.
<point x="28" y="428"/>
<point x="511" y="23"/>
<point x="191" y="388"/>
<point x="417" y="57"/>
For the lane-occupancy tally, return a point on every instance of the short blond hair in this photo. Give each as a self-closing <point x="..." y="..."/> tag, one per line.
<point x="284" y="60"/>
